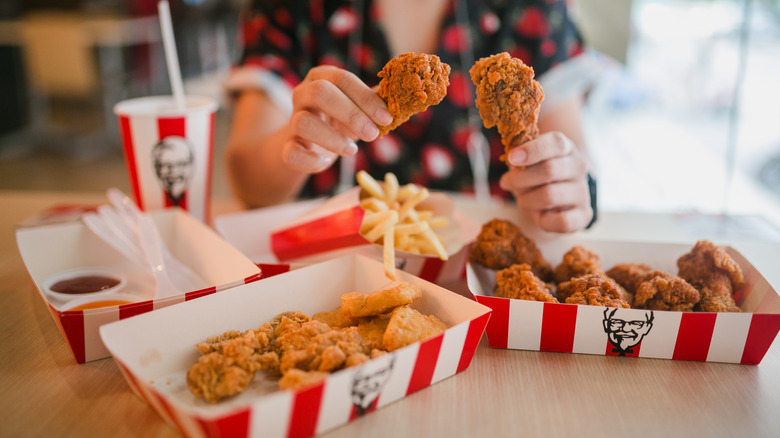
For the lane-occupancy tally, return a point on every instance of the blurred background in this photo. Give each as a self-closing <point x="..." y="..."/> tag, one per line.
<point x="684" y="116"/>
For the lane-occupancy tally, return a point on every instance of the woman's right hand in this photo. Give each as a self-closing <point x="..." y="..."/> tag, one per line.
<point x="332" y="108"/>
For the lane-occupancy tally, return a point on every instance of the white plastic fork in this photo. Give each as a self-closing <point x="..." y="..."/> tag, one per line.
<point x="135" y="235"/>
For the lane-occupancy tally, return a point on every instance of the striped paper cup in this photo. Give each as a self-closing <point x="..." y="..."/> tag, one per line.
<point x="169" y="151"/>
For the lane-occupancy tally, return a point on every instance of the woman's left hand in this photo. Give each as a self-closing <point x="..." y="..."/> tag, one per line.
<point x="548" y="178"/>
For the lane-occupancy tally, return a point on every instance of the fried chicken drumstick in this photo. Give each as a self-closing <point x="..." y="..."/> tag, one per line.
<point x="508" y="97"/>
<point x="411" y="82"/>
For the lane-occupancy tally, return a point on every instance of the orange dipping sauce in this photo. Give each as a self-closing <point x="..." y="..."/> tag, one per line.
<point x="99" y="304"/>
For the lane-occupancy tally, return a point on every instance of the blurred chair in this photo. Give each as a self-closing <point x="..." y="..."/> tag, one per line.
<point x="62" y="70"/>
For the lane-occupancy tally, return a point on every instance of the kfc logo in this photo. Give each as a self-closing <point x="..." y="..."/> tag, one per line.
<point x="173" y="164"/>
<point x="625" y="334"/>
<point x="368" y="382"/>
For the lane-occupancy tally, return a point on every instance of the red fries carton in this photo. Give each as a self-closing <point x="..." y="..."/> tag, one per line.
<point x="333" y="228"/>
<point x="155" y="351"/>
<point x="53" y="249"/>
<point x="702" y="336"/>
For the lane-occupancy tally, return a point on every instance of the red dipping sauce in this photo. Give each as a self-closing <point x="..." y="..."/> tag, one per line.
<point x="84" y="284"/>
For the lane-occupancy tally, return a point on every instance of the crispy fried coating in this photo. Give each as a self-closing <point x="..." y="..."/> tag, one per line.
<point x="714" y="273"/>
<point x="509" y="97"/>
<point x="215" y="376"/>
<point x="577" y="262"/>
<point x="372" y="330"/>
<point x="501" y="244"/>
<point x="356" y="304"/>
<point x="298" y="379"/>
<point x="407" y="326"/>
<point x="321" y="350"/>
<point x="335" y="318"/>
<point x="629" y="275"/>
<point x="519" y="282"/>
<point x="411" y="82"/>
<point x="594" y="290"/>
<point x="663" y="291"/>
<point x="220" y="374"/>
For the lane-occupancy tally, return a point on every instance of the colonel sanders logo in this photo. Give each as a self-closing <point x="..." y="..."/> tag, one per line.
<point x="173" y="164"/>
<point x="368" y="382"/>
<point x="625" y="334"/>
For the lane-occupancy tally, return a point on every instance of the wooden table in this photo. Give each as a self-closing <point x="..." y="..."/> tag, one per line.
<point x="503" y="392"/>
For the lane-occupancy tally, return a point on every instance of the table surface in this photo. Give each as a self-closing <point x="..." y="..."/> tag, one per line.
<point x="504" y="392"/>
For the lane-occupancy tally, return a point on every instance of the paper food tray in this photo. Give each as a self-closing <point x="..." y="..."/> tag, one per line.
<point x="252" y="233"/>
<point x="155" y="351"/>
<point x="702" y="336"/>
<point x="48" y="250"/>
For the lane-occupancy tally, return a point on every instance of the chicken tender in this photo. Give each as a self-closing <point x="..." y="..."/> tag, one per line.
<point x="519" y="282"/>
<point x="356" y="304"/>
<point x="509" y="97"/>
<point x="663" y="291"/>
<point x="594" y="290"/>
<point x="411" y="82"/>
<point x="407" y="326"/>
<point x="714" y="273"/>
<point x="577" y="262"/>
<point x="501" y="244"/>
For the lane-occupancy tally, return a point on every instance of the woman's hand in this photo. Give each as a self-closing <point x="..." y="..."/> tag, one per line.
<point x="548" y="177"/>
<point x="331" y="109"/>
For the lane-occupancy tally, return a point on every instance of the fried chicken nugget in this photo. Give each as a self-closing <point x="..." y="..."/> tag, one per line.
<point x="298" y="379"/>
<point x="411" y="82"/>
<point x="509" y="97"/>
<point x="220" y="374"/>
<point x="577" y="262"/>
<point x="663" y="291"/>
<point x="501" y="244"/>
<point x="594" y="290"/>
<point x="714" y="273"/>
<point x="356" y="304"/>
<point x="630" y="275"/>
<point x="407" y="326"/>
<point x="519" y="282"/>
<point x="335" y="318"/>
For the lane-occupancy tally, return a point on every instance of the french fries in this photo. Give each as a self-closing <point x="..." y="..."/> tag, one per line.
<point x="392" y="219"/>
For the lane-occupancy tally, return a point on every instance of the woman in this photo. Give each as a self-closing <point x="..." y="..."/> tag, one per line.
<point x="305" y="97"/>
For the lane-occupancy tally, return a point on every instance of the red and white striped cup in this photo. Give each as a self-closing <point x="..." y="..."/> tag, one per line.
<point x="169" y="151"/>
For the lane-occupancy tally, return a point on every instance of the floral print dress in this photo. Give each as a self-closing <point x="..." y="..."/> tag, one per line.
<point x="288" y="38"/>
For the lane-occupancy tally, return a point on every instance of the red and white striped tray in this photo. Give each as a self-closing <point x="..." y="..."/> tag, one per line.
<point x="155" y="350"/>
<point x="48" y="250"/>
<point x="703" y="336"/>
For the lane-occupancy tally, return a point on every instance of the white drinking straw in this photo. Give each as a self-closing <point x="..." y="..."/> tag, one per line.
<point x="171" y="57"/>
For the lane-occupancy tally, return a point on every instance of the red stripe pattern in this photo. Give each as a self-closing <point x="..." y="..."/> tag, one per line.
<point x="328" y="233"/>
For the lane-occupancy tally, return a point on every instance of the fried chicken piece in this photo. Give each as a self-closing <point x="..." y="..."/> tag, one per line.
<point x="220" y="374"/>
<point x="663" y="291"/>
<point x="298" y="379"/>
<point x="714" y="273"/>
<point x="501" y="244"/>
<point x="407" y="326"/>
<point x="577" y="262"/>
<point x="318" y="347"/>
<point x="335" y="318"/>
<point x="509" y="97"/>
<point x="519" y="282"/>
<point x="372" y="331"/>
<point x="592" y="289"/>
<point x="630" y="275"/>
<point x="356" y="304"/>
<point x="216" y="376"/>
<point x="411" y="82"/>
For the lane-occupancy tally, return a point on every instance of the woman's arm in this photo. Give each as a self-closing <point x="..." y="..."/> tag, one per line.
<point x="270" y="154"/>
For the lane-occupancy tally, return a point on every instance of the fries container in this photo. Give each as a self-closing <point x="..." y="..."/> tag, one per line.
<point x="702" y="336"/>
<point x="53" y="249"/>
<point x="155" y="350"/>
<point x="332" y="228"/>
